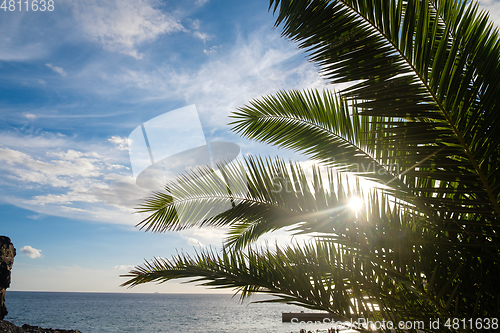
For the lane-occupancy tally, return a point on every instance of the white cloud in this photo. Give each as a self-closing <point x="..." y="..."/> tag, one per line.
<point x="211" y="50"/>
<point x="196" y="24"/>
<point x="40" y="142"/>
<point x="30" y="116"/>
<point x="58" y="70"/>
<point x="201" y="2"/>
<point x="121" y="143"/>
<point x="36" y="217"/>
<point x="204" y="236"/>
<point x="42" y="81"/>
<point x="61" y="169"/>
<point x="201" y="35"/>
<point x="55" y="175"/>
<point x="53" y="180"/>
<point x="31" y="252"/>
<point x="194" y="242"/>
<point x="124" y="267"/>
<point x="262" y="64"/>
<point x="122" y="25"/>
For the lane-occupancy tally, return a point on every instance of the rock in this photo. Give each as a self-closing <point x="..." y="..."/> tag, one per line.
<point x="8" y="327"/>
<point x="32" y="329"/>
<point x="7" y="254"/>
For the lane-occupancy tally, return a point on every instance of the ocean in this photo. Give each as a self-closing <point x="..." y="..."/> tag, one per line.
<point x="150" y="313"/>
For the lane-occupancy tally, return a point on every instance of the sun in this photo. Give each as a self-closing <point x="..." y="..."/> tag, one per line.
<point x="355" y="203"/>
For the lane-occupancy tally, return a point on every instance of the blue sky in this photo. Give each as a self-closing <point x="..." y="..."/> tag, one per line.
<point x="76" y="81"/>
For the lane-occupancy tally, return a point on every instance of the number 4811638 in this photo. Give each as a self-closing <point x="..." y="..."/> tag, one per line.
<point x="27" y="5"/>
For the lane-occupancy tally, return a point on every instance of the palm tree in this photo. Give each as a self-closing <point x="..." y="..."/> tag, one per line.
<point x="420" y="117"/>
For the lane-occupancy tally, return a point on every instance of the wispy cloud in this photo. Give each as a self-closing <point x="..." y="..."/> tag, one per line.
<point x="40" y="142"/>
<point x="122" y="25"/>
<point x="204" y="236"/>
<point x="31" y="252"/>
<point x="196" y="24"/>
<point x="194" y="242"/>
<point x="36" y="217"/>
<point x="211" y="50"/>
<point x="58" y="70"/>
<point x="260" y="64"/>
<point x="86" y="181"/>
<point x="124" y="267"/>
<point x="201" y="2"/>
<point x="59" y="170"/>
<point x="56" y="175"/>
<point x="12" y="52"/>
<point x="201" y="35"/>
<point x="30" y="116"/>
<point x="83" y="182"/>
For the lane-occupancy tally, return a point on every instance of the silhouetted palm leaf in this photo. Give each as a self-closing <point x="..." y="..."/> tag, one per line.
<point x="421" y="119"/>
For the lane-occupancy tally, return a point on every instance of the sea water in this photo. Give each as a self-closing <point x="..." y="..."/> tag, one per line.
<point x="150" y="313"/>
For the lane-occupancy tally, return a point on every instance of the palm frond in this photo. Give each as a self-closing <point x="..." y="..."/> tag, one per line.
<point x="266" y="189"/>
<point x="271" y="194"/>
<point x="318" y="124"/>
<point x="422" y="112"/>
<point x="421" y="67"/>
<point x="320" y="276"/>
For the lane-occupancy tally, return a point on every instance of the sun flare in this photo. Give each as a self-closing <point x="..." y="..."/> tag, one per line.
<point x="355" y="203"/>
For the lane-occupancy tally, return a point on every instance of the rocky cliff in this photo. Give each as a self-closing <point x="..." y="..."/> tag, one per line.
<point x="7" y="254"/>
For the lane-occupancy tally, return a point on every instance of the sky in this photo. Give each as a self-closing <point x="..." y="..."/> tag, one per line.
<point x="76" y="81"/>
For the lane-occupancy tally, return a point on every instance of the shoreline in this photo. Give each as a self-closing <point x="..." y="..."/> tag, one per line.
<point x="8" y="327"/>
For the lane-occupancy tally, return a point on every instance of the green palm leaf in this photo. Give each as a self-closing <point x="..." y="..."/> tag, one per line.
<point x="319" y="125"/>
<point x="271" y="195"/>
<point x="420" y="118"/>
<point x="319" y="276"/>
<point x="419" y="62"/>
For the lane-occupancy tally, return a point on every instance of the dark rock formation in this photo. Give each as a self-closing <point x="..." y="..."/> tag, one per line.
<point x="7" y="254"/>
<point x="8" y="327"/>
